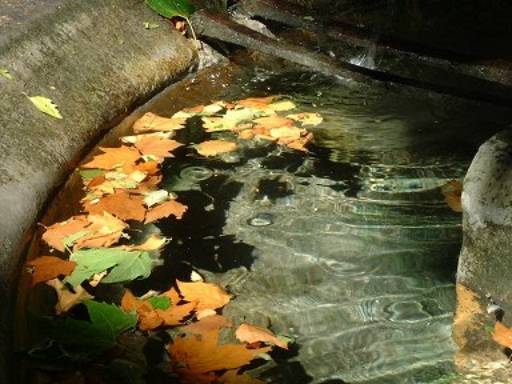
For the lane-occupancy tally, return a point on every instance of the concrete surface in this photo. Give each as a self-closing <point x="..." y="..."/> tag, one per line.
<point x="96" y="61"/>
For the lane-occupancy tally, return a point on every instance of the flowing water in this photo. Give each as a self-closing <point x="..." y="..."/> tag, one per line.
<point x="350" y="250"/>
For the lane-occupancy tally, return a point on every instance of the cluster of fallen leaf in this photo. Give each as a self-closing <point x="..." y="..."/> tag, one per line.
<point x="121" y="186"/>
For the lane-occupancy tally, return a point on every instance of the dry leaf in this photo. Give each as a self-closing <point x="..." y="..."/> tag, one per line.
<point x="151" y="122"/>
<point x="207" y="324"/>
<point x="65" y="298"/>
<point x="205" y="313"/>
<point x="136" y="138"/>
<point x="292" y="133"/>
<point x="123" y="205"/>
<point x="171" y="207"/>
<point x="452" y="192"/>
<point x="209" y="296"/>
<point x="502" y="335"/>
<point x="103" y="231"/>
<point x="251" y="334"/>
<point x="153" y="243"/>
<point x="255" y="102"/>
<point x="46" y="268"/>
<point x="274" y="121"/>
<point x="55" y="234"/>
<point x="112" y="158"/>
<point x="300" y="144"/>
<point x="176" y="313"/>
<point x="215" y="147"/>
<point x="157" y="146"/>
<point x="307" y="118"/>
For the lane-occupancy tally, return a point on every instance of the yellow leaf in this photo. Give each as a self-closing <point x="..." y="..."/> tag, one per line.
<point x="45" y="105"/>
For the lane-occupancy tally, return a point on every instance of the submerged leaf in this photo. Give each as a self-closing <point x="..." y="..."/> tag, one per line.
<point x="46" y="105"/>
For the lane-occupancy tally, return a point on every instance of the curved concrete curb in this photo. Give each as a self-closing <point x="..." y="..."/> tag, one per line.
<point x="485" y="263"/>
<point x="95" y="60"/>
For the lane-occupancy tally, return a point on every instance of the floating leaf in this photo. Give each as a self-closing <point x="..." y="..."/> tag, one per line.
<point x="307" y="118"/>
<point x="160" y="302"/>
<point x="55" y="234"/>
<point x="274" y="121"/>
<point x="215" y="147"/>
<point x="502" y="335"/>
<point x="6" y="74"/>
<point x="169" y="208"/>
<point x="208" y="324"/>
<point x="209" y="296"/>
<point x="45" y="268"/>
<point x="247" y="333"/>
<point x="157" y="146"/>
<point x="151" y="122"/>
<point x="123" y="205"/>
<point x="46" y="105"/>
<point x="66" y="299"/>
<point x="113" y="158"/>
<point x="233" y="377"/>
<point x="171" y="8"/>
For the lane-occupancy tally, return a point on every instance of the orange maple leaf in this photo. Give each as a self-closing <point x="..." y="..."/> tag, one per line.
<point x="207" y="324"/>
<point x="208" y="295"/>
<point x="151" y="122"/>
<point x="157" y="146"/>
<point x="171" y="207"/>
<point x="114" y="157"/>
<point x="215" y="147"/>
<point x="122" y="204"/>
<point x="274" y="121"/>
<point x="502" y="335"/>
<point x="256" y="102"/>
<point x="251" y="334"/>
<point x="46" y="268"/>
<point x="56" y="233"/>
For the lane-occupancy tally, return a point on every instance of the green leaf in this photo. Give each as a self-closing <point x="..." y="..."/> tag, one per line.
<point x="126" y="265"/>
<point x="171" y="8"/>
<point x="107" y="322"/>
<point x="45" y="105"/>
<point x="160" y="302"/>
<point x="88" y="174"/>
<point x="6" y="74"/>
<point x="69" y="240"/>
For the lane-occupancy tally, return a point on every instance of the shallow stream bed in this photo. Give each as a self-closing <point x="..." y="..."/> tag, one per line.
<point x="351" y="249"/>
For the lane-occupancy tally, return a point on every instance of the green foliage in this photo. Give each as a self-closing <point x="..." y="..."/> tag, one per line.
<point x="172" y="8"/>
<point x="160" y="302"/>
<point x="126" y="265"/>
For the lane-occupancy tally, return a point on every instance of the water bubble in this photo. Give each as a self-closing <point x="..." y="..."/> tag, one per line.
<point x="261" y="220"/>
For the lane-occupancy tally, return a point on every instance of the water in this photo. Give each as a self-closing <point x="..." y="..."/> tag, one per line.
<point x="351" y="249"/>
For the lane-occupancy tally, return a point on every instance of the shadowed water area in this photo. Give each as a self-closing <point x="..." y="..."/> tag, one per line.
<point x="350" y="250"/>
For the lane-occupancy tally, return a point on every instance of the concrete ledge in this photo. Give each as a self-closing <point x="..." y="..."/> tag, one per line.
<point x="96" y="61"/>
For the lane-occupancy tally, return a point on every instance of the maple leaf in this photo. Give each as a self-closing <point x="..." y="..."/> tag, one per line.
<point x="208" y="295"/>
<point x="215" y="147"/>
<point x="46" y="268"/>
<point x="207" y="324"/>
<point x="256" y="102"/>
<point x="198" y="355"/>
<point x="67" y="299"/>
<point x="307" y="118"/>
<point x="136" y="138"/>
<point x="121" y="204"/>
<point x="171" y="207"/>
<point x="247" y="333"/>
<point x="290" y="133"/>
<point x="233" y="377"/>
<point x="273" y="121"/>
<point x="55" y="234"/>
<point x="452" y="192"/>
<point x="502" y="335"/>
<point x="103" y="231"/>
<point x="112" y="158"/>
<point x="157" y="146"/>
<point x="151" y="122"/>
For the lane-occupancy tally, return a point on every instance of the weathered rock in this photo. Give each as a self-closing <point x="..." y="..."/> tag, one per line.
<point x="485" y="264"/>
<point x="96" y="61"/>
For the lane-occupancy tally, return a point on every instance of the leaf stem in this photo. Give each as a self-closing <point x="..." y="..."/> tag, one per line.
<point x="191" y="28"/>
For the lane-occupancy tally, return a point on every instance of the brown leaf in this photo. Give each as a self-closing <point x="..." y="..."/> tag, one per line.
<point x="157" y="146"/>
<point x="65" y="298"/>
<point x="103" y="231"/>
<point x="49" y="267"/>
<point x="255" y="102"/>
<point x="113" y="158"/>
<point x="251" y="334"/>
<point x="274" y="121"/>
<point x="171" y="207"/>
<point x="207" y="324"/>
<point x="123" y="205"/>
<point x="300" y="144"/>
<point x="215" y="147"/>
<point x="209" y="296"/>
<point x="151" y="122"/>
<point x="198" y="355"/>
<point x="56" y="233"/>
<point x="307" y="118"/>
<point x="233" y="377"/>
<point x="502" y="335"/>
<point x="175" y="314"/>
<point x="452" y="192"/>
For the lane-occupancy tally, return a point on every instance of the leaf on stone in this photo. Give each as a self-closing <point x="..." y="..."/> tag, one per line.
<point x="112" y="158"/>
<point x="169" y="208"/>
<point x="234" y="377"/>
<point x="55" y="234"/>
<point x="67" y="299"/>
<point x="250" y="334"/>
<point x="208" y="295"/>
<point x="452" y="192"/>
<point x="45" y="105"/>
<point x="157" y="147"/>
<point x="215" y="147"/>
<point x="195" y="355"/>
<point x="6" y="74"/>
<point x="502" y="335"/>
<point x="46" y="268"/>
<point x="123" y="205"/>
<point x="171" y="8"/>
<point x="307" y="118"/>
<point x="151" y="122"/>
<point x="207" y="324"/>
